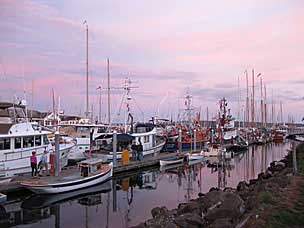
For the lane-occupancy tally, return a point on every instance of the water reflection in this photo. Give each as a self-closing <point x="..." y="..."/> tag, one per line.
<point x="128" y="200"/>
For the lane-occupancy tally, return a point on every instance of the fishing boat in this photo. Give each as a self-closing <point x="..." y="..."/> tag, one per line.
<point x="88" y="173"/>
<point x="42" y="201"/>
<point x="83" y="133"/>
<point x="170" y="161"/>
<point x="19" y="137"/>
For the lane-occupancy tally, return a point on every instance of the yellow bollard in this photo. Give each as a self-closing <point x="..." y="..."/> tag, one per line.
<point x="125" y="157"/>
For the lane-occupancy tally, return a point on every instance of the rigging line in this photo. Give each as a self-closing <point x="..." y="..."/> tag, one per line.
<point x="139" y="107"/>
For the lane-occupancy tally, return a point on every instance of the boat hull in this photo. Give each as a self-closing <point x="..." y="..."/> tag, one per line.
<point x="70" y="186"/>
<point x="170" y="162"/>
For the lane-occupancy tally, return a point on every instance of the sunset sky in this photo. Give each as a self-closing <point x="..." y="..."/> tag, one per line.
<point x="165" y="46"/>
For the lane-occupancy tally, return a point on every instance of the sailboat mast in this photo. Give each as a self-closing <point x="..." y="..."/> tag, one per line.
<point x="109" y="104"/>
<point x="247" y="100"/>
<point x="32" y="99"/>
<point x="239" y="100"/>
<point x="87" y="66"/>
<point x="252" y="117"/>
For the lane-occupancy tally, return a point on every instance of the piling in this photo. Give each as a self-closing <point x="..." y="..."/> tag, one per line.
<point x="115" y="148"/>
<point x="294" y="158"/>
<point x="180" y="140"/>
<point x="57" y="154"/>
<point x="194" y="143"/>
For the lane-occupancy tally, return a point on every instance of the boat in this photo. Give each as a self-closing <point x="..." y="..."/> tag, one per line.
<point x="19" y="137"/>
<point x="195" y="156"/>
<point x="143" y="132"/>
<point x="42" y="201"/>
<point x="88" y="173"/>
<point x="170" y="161"/>
<point x="82" y="132"/>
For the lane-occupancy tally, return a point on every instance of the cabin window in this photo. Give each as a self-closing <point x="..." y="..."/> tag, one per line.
<point x="101" y="130"/>
<point x="18" y="141"/>
<point x="80" y="148"/>
<point x="5" y="144"/>
<point x="38" y="140"/>
<point x="146" y="139"/>
<point x="28" y="141"/>
<point x="45" y="140"/>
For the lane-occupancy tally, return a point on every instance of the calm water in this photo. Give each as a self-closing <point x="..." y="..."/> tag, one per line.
<point x="136" y="193"/>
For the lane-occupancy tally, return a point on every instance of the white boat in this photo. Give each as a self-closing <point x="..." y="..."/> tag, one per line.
<point x="19" y="137"/>
<point x="170" y="161"/>
<point x="195" y="156"/>
<point x="145" y="133"/>
<point x="89" y="173"/>
<point x="81" y="133"/>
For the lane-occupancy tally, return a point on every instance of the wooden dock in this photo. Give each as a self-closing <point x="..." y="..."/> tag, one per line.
<point x="146" y="162"/>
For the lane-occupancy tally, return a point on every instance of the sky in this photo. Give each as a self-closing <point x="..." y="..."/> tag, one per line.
<point x="167" y="48"/>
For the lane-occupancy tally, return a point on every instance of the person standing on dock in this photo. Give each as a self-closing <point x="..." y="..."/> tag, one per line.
<point x="134" y="151"/>
<point x="44" y="163"/>
<point x="33" y="159"/>
<point x="139" y="150"/>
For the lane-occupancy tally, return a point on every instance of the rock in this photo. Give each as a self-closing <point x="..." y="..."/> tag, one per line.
<point x="242" y="186"/>
<point x="210" y="199"/>
<point x="229" y="189"/>
<point x="268" y="174"/>
<point x="221" y="223"/>
<point x="190" y="207"/>
<point x="253" y="181"/>
<point x="232" y="207"/>
<point x="159" y="211"/>
<point x="189" y="220"/>
<point x="201" y="194"/>
<point x="213" y="189"/>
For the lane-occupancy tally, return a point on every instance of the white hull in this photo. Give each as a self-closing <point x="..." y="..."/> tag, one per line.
<point x="213" y="152"/>
<point x="78" y="152"/>
<point x="170" y="162"/>
<point x="72" y="185"/>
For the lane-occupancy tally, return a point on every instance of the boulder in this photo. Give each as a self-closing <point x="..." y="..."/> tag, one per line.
<point x="222" y="223"/>
<point x="232" y="207"/>
<point x="242" y="186"/>
<point x="190" y="207"/>
<point x="211" y="198"/>
<point x="189" y="220"/>
<point x="159" y="211"/>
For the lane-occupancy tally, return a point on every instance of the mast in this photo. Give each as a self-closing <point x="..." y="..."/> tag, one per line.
<point x="247" y="101"/>
<point x="109" y="104"/>
<point x="252" y="114"/>
<point x="87" y="70"/>
<point x="239" y="100"/>
<point x="262" y="113"/>
<point x="265" y="106"/>
<point x="207" y="117"/>
<point x="32" y="99"/>
<point x="281" y="112"/>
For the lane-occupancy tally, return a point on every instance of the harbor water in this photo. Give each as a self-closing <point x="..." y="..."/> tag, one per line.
<point x="136" y="193"/>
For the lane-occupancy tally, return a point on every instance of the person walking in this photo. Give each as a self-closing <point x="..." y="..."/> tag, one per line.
<point x="44" y="163"/>
<point x="33" y="160"/>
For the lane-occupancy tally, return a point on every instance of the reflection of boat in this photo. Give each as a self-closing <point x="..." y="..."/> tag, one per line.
<point x="170" y="167"/>
<point x="92" y="172"/>
<point x="42" y="201"/>
<point x="170" y="161"/>
<point x="195" y="156"/>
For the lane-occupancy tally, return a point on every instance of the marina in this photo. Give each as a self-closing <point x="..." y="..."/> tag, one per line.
<point x="151" y="114"/>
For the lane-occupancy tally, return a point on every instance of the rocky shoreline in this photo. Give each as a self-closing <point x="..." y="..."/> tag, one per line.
<point x="229" y="207"/>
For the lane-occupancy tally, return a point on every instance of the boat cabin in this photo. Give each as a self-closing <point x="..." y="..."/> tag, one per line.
<point x="92" y="166"/>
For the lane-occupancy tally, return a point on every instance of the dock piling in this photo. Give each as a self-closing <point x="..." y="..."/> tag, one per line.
<point x="57" y="153"/>
<point x="115" y="148"/>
